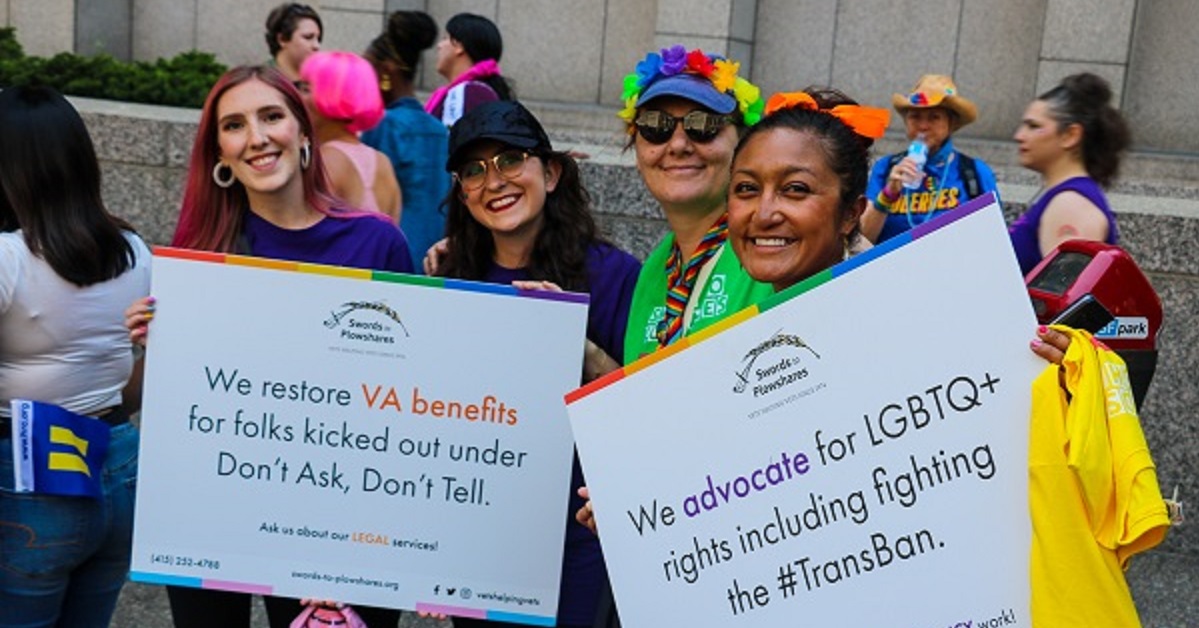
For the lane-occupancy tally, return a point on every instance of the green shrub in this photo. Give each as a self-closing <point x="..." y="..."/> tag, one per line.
<point x="9" y="47"/>
<point x="181" y="81"/>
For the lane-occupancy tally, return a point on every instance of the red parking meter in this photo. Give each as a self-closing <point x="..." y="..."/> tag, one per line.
<point x="1098" y="287"/>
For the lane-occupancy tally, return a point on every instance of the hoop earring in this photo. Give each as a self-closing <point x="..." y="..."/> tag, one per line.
<point x="385" y="83"/>
<point x="305" y="156"/>
<point x="216" y="176"/>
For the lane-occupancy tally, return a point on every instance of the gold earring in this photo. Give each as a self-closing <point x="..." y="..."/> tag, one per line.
<point x="385" y="83"/>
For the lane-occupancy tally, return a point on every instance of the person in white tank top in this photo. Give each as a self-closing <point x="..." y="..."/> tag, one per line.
<point x="67" y="270"/>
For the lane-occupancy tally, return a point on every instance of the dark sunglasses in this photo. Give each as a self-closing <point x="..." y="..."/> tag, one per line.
<point x="657" y="127"/>
<point x="473" y="174"/>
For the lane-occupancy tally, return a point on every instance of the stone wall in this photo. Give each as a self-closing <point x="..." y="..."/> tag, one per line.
<point x="576" y="51"/>
<point x="144" y="151"/>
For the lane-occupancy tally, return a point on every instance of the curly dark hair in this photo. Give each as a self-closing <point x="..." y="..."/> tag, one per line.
<point x="1084" y="99"/>
<point x="560" y="250"/>
<point x="408" y="33"/>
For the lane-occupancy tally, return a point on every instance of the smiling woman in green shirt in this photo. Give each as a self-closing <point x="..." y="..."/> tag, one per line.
<point x="685" y="112"/>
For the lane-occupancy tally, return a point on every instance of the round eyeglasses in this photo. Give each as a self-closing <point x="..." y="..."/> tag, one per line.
<point x="473" y="174"/>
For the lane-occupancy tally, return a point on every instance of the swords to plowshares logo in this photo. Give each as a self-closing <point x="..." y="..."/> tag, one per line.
<point x="365" y="321"/>
<point x="785" y="366"/>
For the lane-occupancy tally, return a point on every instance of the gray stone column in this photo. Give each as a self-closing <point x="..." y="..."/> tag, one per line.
<point x="717" y="26"/>
<point x="104" y="26"/>
<point x="164" y="29"/>
<point x="44" y="27"/>
<point x="1086" y="35"/>
<point x="352" y="24"/>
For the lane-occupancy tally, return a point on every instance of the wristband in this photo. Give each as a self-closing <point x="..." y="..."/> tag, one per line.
<point x="891" y="199"/>
<point x="882" y="202"/>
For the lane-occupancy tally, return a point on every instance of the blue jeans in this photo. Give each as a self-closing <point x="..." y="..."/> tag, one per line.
<point x="63" y="560"/>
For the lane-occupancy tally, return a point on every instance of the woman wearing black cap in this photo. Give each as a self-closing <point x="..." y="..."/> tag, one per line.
<point x="518" y="213"/>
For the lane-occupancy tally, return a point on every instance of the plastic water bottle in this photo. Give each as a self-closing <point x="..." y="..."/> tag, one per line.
<point x="917" y="152"/>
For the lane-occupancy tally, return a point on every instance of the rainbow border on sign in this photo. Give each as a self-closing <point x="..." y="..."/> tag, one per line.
<point x="198" y="583"/>
<point x="474" y="613"/>
<point x="365" y="274"/>
<point x="421" y="607"/>
<point x="779" y="298"/>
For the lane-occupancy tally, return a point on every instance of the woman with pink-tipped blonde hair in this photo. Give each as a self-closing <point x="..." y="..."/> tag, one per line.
<point x="341" y="91"/>
<point x="256" y="186"/>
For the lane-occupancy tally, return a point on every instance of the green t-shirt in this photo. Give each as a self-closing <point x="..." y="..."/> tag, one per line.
<point x="727" y="290"/>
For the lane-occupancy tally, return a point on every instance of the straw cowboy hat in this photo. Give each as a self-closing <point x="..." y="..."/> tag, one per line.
<point x="937" y="90"/>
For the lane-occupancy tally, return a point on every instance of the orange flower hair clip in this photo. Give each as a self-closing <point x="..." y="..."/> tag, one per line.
<point x="868" y="122"/>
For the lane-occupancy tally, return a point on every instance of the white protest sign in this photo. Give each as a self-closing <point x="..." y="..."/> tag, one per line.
<point x="366" y="437"/>
<point x="854" y="455"/>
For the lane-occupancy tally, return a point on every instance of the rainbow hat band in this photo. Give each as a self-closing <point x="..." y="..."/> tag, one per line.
<point x="937" y="90"/>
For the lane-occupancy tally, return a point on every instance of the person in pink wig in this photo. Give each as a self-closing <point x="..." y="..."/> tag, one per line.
<point x="341" y="91"/>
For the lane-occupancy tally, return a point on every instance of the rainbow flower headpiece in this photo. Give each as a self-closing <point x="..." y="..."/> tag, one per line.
<point x="709" y="80"/>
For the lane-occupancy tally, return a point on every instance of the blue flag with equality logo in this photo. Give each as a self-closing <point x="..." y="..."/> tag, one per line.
<point x="56" y="451"/>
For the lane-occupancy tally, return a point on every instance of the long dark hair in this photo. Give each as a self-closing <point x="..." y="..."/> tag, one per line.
<point x="481" y="40"/>
<point x="408" y="33"/>
<point x="1085" y="99"/>
<point x="50" y="188"/>
<point x="560" y="249"/>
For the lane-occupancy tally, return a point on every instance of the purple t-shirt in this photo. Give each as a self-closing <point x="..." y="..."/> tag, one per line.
<point x="1023" y="232"/>
<point x="611" y="275"/>
<point x="357" y="241"/>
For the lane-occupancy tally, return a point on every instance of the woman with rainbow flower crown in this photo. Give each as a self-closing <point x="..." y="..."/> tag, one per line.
<point x="685" y="112"/>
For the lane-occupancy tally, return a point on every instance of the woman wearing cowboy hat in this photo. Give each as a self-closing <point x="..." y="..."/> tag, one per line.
<point x="934" y="110"/>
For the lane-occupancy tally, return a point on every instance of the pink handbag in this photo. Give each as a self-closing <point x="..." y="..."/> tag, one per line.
<point x="318" y="616"/>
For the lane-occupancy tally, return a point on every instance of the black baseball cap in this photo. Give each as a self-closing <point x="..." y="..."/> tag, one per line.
<point x="505" y="121"/>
